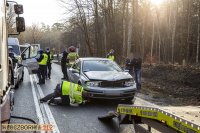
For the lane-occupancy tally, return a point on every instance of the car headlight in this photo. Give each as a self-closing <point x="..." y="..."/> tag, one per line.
<point x="93" y="83"/>
<point x="129" y="83"/>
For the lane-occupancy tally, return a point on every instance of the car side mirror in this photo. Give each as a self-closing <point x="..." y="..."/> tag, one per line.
<point x="18" y="9"/>
<point x="23" y="57"/>
<point x="75" y="71"/>
<point x="20" y="24"/>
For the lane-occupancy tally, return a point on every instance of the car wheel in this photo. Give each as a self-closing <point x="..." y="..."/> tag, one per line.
<point x="79" y="83"/>
<point x="129" y="100"/>
<point x="22" y="78"/>
<point x="17" y="85"/>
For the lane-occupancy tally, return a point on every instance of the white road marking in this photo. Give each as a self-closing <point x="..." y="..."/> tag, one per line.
<point x="38" y="111"/>
<point x="47" y="109"/>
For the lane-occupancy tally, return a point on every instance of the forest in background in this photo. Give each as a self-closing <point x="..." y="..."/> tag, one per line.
<point x="165" y="33"/>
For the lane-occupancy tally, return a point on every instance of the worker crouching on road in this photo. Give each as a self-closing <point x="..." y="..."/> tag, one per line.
<point x="69" y="93"/>
<point x="42" y="61"/>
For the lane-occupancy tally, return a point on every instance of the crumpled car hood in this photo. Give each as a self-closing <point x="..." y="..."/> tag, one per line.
<point x="107" y="75"/>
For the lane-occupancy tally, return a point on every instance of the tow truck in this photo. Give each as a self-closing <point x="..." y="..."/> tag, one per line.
<point x="6" y="65"/>
<point x="151" y="118"/>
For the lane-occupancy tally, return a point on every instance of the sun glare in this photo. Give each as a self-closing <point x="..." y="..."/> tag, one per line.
<point x="157" y="2"/>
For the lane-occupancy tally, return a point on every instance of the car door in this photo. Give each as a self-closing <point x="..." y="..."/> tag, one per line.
<point x="74" y="72"/>
<point x="29" y="56"/>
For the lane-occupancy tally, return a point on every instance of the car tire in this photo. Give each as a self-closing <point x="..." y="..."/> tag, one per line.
<point x="79" y="83"/>
<point x="129" y="100"/>
<point x="17" y="85"/>
<point x="22" y="78"/>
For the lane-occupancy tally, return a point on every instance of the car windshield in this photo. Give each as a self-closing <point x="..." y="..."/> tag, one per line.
<point x="100" y="65"/>
<point x="16" y="49"/>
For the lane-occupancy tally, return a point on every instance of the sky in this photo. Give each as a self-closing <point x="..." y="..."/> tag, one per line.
<point x="37" y="11"/>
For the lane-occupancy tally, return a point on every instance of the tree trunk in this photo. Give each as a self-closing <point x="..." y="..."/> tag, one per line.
<point x="174" y="31"/>
<point x="130" y="25"/>
<point x="152" y="41"/>
<point x="198" y="36"/>
<point x="124" y="29"/>
<point x="97" y="29"/>
<point x="188" y="32"/>
<point x="159" y="38"/>
<point x="84" y="24"/>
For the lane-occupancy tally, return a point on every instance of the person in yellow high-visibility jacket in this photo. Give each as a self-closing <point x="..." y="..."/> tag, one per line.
<point x="72" y="56"/>
<point x="42" y="61"/>
<point x="110" y="55"/>
<point x="69" y="93"/>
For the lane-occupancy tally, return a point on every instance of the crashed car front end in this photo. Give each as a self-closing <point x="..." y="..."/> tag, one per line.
<point x="119" y="89"/>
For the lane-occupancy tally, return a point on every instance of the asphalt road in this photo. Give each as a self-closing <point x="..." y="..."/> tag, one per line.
<point x="66" y="119"/>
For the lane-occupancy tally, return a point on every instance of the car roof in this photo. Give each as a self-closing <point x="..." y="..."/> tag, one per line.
<point x="92" y="58"/>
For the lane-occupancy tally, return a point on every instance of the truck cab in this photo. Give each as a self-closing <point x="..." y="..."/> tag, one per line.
<point x="6" y="64"/>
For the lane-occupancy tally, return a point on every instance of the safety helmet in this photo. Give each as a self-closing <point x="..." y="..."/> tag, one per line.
<point x="72" y="49"/>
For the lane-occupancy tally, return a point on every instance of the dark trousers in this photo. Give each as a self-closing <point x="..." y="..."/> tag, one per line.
<point x="64" y="70"/>
<point x="48" y="71"/>
<point x="41" y="73"/>
<point x="137" y="73"/>
<point x="57" y="93"/>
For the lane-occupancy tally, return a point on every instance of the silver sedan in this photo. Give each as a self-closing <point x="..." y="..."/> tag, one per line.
<point x="102" y="78"/>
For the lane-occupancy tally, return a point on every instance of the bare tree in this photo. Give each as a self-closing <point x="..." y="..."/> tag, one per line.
<point x="174" y="31"/>
<point x="198" y="35"/>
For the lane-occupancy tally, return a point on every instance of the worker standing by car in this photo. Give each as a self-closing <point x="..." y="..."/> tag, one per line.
<point x="137" y="64"/>
<point x="129" y="66"/>
<point x="110" y="55"/>
<point x="42" y="61"/>
<point x="69" y="93"/>
<point x="64" y="62"/>
<point x="72" y="56"/>
<point x="49" y="62"/>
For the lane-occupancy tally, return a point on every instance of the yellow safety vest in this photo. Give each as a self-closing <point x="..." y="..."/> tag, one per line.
<point x="65" y="88"/>
<point x="111" y="57"/>
<point x="72" y="56"/>
<point x="73" y="90"/>
<point x="44" y="60"/>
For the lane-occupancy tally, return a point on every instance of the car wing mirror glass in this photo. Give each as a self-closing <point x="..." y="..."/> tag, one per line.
<point x="23" y="57"/>
<point x="18" y="9"/>
<point x="20" y="24"/>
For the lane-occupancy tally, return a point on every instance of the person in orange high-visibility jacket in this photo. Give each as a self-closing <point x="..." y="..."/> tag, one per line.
<point x="69" y="93"/>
